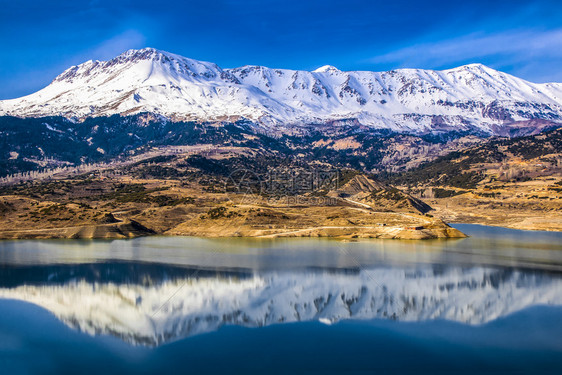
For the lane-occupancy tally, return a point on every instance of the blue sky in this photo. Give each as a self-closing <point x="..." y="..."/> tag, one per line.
<point x="39" y="39"/>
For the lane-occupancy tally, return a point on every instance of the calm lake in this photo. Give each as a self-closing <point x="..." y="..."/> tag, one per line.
<point x="490" y="303"/>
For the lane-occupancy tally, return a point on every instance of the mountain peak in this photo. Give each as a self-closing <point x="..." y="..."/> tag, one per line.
<point x="148" y="53"/>
<point x="473" y="67"/>
<point x="145" y="50"/>
<point x="327" y="69"/>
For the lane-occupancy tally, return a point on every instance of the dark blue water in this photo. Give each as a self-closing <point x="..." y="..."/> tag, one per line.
<point x="471" y="329"/>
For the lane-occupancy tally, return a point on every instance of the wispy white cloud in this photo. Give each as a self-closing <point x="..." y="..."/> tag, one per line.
<point x="534" y="54"/>
<point x="112" y="47"/>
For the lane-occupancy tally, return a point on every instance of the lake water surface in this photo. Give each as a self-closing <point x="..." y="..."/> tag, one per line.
<point x="490" y="303"/>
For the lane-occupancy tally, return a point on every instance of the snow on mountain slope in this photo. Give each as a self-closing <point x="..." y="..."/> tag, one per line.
<point x="145" y="314"/>
<point x="411" y="100"/>
<point x="144" y="80"/>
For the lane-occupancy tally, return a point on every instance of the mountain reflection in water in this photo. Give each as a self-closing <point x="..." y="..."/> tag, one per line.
<point x="155" y="290"/>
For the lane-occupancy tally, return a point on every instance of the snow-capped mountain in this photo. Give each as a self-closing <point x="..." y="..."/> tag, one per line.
<point x="471" y="97"/>
<point x="156" y="313"/>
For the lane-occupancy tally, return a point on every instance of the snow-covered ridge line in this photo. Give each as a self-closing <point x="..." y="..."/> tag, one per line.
<point x="145" y="315"/>
<point x="410" y="100"/>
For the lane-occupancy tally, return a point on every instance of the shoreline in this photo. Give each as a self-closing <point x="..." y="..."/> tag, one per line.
<point x="132" y="229"/>
<point x="128" y="229"/>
